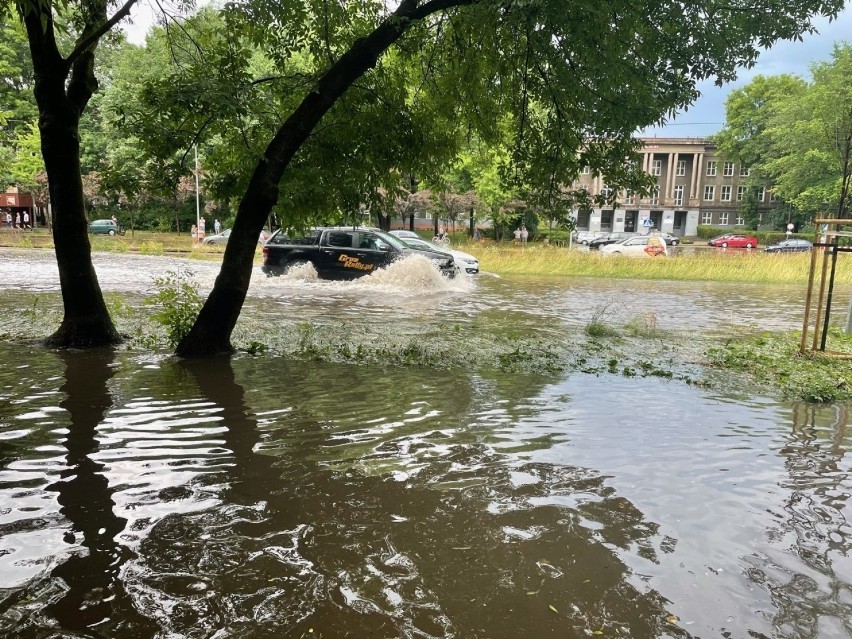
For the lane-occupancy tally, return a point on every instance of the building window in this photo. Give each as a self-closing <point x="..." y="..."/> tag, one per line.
<point x="725" y="195"/>
<point x="740" y="220"/>
<point x="681" y="167"/>
<point x="723" y="218"/>
<point x="709" y="193"/>
<point x="744" y="172"/>
<point x="728" y="169"/>
<point x="741" y="191"/>
<point x="678" y="195"/>
<point x="772" y="196"/>
<point x="630" y="197"/>
<point x="586" y="170"/>
<point x="655" y="195"/>
<point x="706" y="217"/>
<point x="761" y="194"/>
<point x="657" y="167"/>
<point x="711" y="169"/>
<point x="606" y="192"/>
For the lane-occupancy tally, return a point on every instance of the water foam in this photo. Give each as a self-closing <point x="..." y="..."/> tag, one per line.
<point x="414" y="273"/>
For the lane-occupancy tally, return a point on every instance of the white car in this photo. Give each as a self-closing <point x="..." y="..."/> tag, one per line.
<point x="465" y="261"/>
<point x="406" y="235"/>
<point x="222" y="238"/>
<point x="638" y="246"/>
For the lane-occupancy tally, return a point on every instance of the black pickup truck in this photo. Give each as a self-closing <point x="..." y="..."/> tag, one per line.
<point x="343" y="252"/>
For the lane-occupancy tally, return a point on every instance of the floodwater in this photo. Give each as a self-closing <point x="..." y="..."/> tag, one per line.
<point x="141" y="496"/>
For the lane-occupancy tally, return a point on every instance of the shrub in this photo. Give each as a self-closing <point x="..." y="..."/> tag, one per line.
<point x="179" y="304"/>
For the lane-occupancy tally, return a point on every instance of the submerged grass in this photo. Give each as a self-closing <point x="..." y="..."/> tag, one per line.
<point x="773" y="359"/>
<point x="760" y="362"/>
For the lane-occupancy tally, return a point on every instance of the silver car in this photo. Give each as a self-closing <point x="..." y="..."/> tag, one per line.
<point x="465" y="261"/>
<point x="584" y="237"/>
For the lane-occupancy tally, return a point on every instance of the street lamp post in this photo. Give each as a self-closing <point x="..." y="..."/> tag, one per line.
<point x="197" y="195"/>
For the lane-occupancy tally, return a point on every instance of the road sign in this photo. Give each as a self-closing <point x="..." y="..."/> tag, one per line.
<point x="647" y="222"/>
<point x="790" y="226"/>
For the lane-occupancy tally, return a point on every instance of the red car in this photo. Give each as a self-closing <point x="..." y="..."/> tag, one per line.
<point x="734" y="240"/>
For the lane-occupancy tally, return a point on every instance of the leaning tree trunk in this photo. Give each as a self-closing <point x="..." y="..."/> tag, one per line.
<point x="62" y="90"/>
<point x="211" y="333"/>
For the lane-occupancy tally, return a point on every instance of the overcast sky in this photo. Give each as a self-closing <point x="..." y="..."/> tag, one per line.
<point x="707" y="115"/>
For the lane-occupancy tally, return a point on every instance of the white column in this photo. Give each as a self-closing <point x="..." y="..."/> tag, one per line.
<point x="666" y="193"/>
<point x="675" y="160"/>
<point x="691" y="222"/>
<point x="595" y="220"/>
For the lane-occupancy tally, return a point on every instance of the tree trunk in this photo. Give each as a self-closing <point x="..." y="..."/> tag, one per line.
<point x="211" y="333"/>
<point x="62" y="90"/>
<point x="86" y="321"/>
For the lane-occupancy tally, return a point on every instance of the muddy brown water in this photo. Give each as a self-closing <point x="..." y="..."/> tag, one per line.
<point x="260" y="497"/>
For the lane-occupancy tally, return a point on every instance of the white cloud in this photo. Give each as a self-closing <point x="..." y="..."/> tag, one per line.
<point x="707" y="115"/>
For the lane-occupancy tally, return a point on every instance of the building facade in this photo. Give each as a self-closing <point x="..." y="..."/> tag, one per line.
<point x="694" y="186"/>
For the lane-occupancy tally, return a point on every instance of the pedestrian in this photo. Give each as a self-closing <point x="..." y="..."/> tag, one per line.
<point x="194" y="232"/>
<point x="26" y="219"/>
<point x="217" y="227"/>
<point x="476" y="235"/>
<point x="114" y="219"/>
<point x="201" y="226"/>
<point x="17" y="219"/>
<point x="517" y="234"/>
<point x="525" y="234"/>
<point x="8" y="219"/>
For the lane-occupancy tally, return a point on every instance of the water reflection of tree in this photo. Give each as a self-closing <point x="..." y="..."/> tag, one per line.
<point x="93" y="588"/>
<point x="813" y="602"/>
<point x="301" y="542"/>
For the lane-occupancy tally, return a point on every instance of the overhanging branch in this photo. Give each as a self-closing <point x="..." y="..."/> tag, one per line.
<point x="95" y="34"/>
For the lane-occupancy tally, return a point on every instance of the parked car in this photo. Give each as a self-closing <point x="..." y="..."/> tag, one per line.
<point x="106" y="227"/>
<point x="638" y="246"/>
<point x="344" y="252"/>
<point x="734" y="240"/>
<point x="584" y="237"/>
<point x="789" y="246"/>
<point x="465" y="261"/>
<point x="609" y="238"/>
<point x="222" y="238"/>
<point x="405" y="234"/>
<point x="671" y="240"/>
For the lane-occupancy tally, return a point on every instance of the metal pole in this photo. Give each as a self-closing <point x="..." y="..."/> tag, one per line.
<point x="197" y="195"/>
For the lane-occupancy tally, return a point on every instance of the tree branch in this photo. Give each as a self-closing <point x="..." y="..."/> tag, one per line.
<point x="95" y="34"/>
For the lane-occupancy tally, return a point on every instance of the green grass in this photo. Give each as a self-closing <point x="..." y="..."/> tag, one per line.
<point x="697" y="265"/>
<point x="773" y="359"/>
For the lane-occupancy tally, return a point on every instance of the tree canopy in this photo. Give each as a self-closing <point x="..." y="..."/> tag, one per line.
<point x="797" y="134"/>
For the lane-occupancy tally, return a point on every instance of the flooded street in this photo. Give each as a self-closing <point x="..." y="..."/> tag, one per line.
<point x="141" y="496"/>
